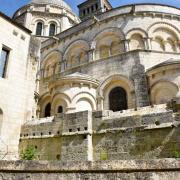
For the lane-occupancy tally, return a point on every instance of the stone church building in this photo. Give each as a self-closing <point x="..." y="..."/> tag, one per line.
<point x="60" y="74"/>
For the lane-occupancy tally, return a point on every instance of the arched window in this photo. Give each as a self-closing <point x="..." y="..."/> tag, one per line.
<point x="158" y="44"/>
<point x="52" y="29"/>
<point x="1" y="119"/>
<point x="47" y="112"/>
<point x="118" y="99"/>
<point x="39" y="29"/>
<point x="60" y="109"/>
<point x="136" y="42"/>
<point x="104" y="51"/>
<point x="83" y="105"/>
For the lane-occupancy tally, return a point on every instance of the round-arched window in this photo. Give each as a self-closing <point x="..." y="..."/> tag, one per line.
<point x="52" y="29"/>
<point x="118" y="99"/>
<point x="39" y="29"/>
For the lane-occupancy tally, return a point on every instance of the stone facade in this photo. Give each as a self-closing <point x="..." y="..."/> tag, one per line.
<point x="17" y="85"/>
<point x="101" y="85"/>
<point x="117" y="51"/>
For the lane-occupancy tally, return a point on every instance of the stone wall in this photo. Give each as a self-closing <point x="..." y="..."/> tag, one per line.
<point x="18" y="85"/>
<point x="161" y="169"/>
<point x="105" y="135"/>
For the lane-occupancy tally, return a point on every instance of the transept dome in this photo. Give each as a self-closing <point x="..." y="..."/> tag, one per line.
<point x="55" y="2"/>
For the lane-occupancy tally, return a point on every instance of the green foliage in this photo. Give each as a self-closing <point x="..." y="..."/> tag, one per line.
<point x="30" y="153"/>
<point x="177" y="154"/>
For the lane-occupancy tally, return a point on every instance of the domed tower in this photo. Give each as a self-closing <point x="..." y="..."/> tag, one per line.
<point x="46" y="17"/>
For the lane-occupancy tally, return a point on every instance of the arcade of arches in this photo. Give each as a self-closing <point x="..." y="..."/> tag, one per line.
<point x="48" y="107"/>
<point x="118" y="94"/>
<point x="107" y="44"/>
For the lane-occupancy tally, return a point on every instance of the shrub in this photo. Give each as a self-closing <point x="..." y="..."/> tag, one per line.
<point x="30" y="153"/>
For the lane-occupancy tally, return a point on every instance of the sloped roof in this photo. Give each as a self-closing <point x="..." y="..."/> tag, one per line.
<point x="165" y="63"/>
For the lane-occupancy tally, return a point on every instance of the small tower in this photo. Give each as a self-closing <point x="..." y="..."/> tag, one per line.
<point x="90" y="8"/>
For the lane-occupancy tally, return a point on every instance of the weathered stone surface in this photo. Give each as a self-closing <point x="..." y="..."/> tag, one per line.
<point x="161" y="169"/>
<point x="146" y="133"/>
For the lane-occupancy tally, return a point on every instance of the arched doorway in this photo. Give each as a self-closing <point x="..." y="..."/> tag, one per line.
<point x="47" y="112"/>
<point x="118" y="99"/>
<point x="60" y="109"/>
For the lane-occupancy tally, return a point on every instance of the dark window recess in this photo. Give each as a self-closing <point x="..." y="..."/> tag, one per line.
<point x="85" y="128"/>
<point x="118" y="99"/>
<point x="48" y="110"/>
<point x="96" y="6"/>
<point x="78" y="129"/>
<point x="84" y="12"/>
<point x="92" y="8"/>
<point x="52" y="29"/>
<point x="60" y="109"/>
<point x="4" y="62"/>
<point x="58" y="157"/>
<point x="49" y="133"/>
<point x="70" y="130"/>
<point x="88" y="10"/>
<point x="39" y="29"/>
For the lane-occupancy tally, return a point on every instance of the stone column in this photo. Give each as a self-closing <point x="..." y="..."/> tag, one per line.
<point x="89" y="148"/>
<point x="91" y="54"/>
<point x="147" y="43"/>
<point x="164" y="42"/>
<point x="140" y="83"/>
<point x="109" y="51"/>
<point x="126" y="45"/>
<point x="46" y="30"/>
<point x="63" y="66"/>
<point x="100" y="103"/>
<point x="42" y="73"/>
<point x="89" y="138"/>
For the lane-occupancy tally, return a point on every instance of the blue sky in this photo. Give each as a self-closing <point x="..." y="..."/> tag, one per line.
<point x="10" y="6"/>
